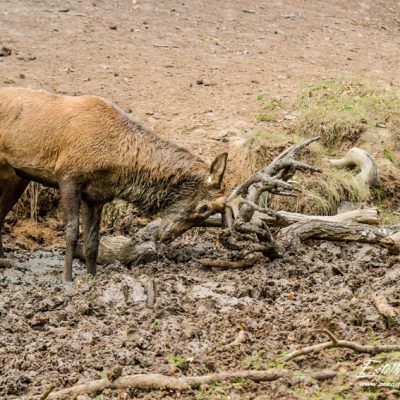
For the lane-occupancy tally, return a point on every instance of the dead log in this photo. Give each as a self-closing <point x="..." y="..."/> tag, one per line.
<point x="122" y="249"/>
<point x="355" y="157"/>
<point x="361" y="215"/>
<point x="139" y="250"/>
<point x="131" y="252"/>
<point x="293" y="235"/>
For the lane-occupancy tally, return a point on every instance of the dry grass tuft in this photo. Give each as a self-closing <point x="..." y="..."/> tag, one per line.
<point x="322" y="193"/>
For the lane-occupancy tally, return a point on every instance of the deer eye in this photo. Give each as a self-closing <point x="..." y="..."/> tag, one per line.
<point x="203" y="209"/>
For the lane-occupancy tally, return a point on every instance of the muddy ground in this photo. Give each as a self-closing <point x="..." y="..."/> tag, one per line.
<point x="52" y="335"/>
<point x="192" y="70"/>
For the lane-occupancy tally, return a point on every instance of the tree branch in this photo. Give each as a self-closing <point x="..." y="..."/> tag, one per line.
<point x="359" y="348"/>
<point x="158" y="381"/>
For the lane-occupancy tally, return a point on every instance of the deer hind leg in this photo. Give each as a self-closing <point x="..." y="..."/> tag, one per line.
<point x="70" y="199"/>
<point x="10" y="191"/>
<point x="91" y="218"/>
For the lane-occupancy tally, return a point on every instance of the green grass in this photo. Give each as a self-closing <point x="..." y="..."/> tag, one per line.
<point x="156" y="324"/>
<point x="341" y="110"/>
<point x="176" y="361"/>
<point x="8" y="80"/>
<point x="266" y="118"/>
<point x="253" y="361"/>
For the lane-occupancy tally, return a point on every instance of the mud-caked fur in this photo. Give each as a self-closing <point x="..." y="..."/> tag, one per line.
<point x="94" y="152"/>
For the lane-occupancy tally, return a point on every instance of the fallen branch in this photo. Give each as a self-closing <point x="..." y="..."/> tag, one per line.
<point x="361" y="215"/>
<point x="334" y="342"/>
<point x="381" y="304"/>
<point x="158" y="381"/>
<point x="293" y="235"/>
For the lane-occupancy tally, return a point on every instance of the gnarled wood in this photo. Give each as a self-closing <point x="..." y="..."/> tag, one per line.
<point x="293" y="235"/>
<point x="140" y="249"/>
<point x="158" y="381"/>
<point x="361" y="215"/>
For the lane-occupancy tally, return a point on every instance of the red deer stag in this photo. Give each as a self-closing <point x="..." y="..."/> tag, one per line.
<point x="93" y="152"/>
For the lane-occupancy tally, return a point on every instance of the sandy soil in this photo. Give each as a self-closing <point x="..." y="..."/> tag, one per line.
<point x="192" y="70"/>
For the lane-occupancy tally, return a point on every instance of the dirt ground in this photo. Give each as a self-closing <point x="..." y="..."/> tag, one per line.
<point x="192" y="70"/>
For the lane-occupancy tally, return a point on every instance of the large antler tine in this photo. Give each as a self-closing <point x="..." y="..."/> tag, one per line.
<point x="294" y="150"/>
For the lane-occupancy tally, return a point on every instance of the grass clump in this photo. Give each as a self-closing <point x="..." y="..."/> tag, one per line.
<point x="177" y="362"/>
<point x="339" y="110"/>
<point x="266" y="118"/>
<point x="321" y="193"/>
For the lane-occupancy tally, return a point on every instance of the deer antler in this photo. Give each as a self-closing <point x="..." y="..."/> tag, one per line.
<point x="273" y="178"/>
<point x="243" y="201"/>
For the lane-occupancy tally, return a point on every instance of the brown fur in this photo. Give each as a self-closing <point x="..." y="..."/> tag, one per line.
<point x="94" y="152"/>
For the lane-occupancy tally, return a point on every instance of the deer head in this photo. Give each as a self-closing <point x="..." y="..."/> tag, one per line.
<point x="206" y="199"/>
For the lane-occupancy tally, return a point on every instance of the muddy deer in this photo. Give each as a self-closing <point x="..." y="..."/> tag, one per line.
<point x="93" y="152"/>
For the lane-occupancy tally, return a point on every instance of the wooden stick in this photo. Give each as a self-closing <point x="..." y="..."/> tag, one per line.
<point x="359" y="348"/>
<point x="158" y="381"/>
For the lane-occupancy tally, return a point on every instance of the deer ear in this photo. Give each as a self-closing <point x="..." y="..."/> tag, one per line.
<point x="217" y="170"/>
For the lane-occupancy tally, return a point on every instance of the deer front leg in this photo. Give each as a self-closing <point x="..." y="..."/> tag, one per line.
<point x="70" y="200"/>
<point x="91" y="217"/>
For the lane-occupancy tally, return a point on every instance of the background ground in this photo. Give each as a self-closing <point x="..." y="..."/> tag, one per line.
<point x="194" y="71"/>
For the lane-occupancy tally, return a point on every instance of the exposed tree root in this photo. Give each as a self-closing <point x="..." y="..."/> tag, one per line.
<point x="334" y="342"/>
<point x="158" y="381"/>
<point x="184" y="383"/>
